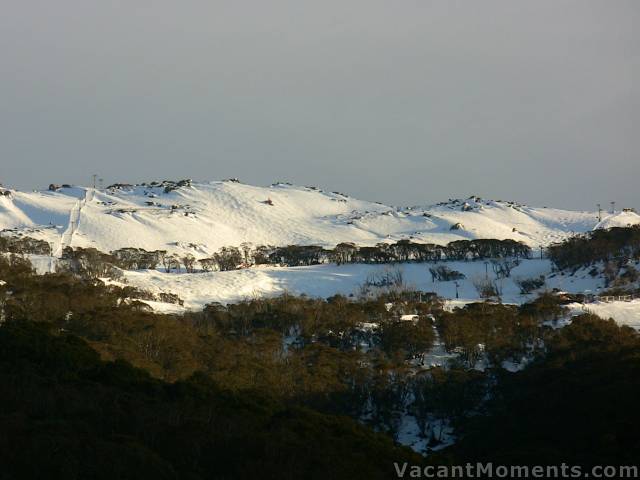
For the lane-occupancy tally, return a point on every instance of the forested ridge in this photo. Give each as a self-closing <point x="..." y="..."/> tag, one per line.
<point x="577" y="405"/>
<point x="67" y="414"/>
<point x="96" y="385"/>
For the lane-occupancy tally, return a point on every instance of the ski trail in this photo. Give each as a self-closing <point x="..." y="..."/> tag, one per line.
<point x="74" y="222"/>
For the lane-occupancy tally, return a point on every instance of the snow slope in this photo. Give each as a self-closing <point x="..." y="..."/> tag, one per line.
<point x="199" y="218"/>
<point x="198" y="289"/>
<point x="624" y="313"/>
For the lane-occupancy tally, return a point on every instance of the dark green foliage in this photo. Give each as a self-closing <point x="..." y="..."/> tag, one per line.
<point x="442" y="273"/>
<point x="15" y="268"/>
<point x="92" y="263"/>
<point x="66" y="414"/>
<point x="577" y="405"/>
<point x="406" y="337"/>
<point x="137" y="258"/>
<point x="24" y="245"/>
<point x="88" y="262"/>
<point x="295" y="348"/>
<point x="595" y="246"/>
<point x="446" y="395"/>
<point x="246" y="376"/>
<point x="401" y="251"/>
<point x="229" y="258"/>
<point x="299" y="255"/>
<point x="499" y="331"/>
<point x="546" y="307"/>
<point x="528" y="285"/>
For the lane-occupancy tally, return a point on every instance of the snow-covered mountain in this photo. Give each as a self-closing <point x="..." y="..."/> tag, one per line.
<point x="202" y="217"/>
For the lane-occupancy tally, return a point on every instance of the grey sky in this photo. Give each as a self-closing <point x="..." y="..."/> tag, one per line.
<point x="405" y="102"/>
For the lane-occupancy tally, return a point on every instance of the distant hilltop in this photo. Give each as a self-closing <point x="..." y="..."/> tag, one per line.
<point x="188" y="216"/>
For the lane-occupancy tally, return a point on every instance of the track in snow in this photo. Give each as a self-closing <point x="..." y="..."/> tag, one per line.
<point x="74" y="222"/>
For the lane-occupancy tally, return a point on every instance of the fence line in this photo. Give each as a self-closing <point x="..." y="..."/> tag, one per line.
<point x="612" y="298"/>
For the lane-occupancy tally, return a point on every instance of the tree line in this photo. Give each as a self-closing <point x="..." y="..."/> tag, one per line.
<point x="94" y="263"/>
<point x="597" y="246"/>
<point x="245" y="255"/>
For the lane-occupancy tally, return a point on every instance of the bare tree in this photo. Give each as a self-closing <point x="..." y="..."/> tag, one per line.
<point x="503" y="268"/>
<point x="442" y="273"/>
<point x="189" y="261"/>
<point x="171" y="262"/>
<point x="528" y="285"/>
<point x="485" y="287"/>
<point x="246" y="248"/>
<point x="208" y="264"/>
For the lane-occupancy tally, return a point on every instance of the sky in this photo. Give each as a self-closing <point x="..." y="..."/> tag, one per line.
<point x="405" y="102"/>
